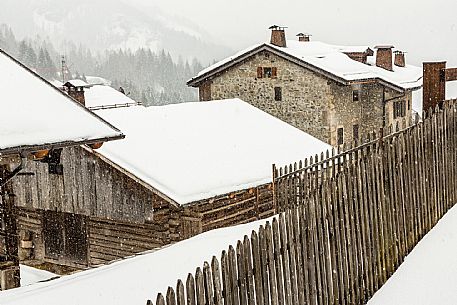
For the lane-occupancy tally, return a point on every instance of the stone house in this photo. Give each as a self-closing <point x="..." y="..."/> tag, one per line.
<point x="335" y="93"/>
<point x="181" y="170"/>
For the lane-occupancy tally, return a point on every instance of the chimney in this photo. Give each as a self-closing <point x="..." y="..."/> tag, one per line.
<point x="384" y="57"/>
<point x="278" y="36"/>
<point x="75" y="89"/>
<point x="303" y="37"/>
<point x="399" y="58"/>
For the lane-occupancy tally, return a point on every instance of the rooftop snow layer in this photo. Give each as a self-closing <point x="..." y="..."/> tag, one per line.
<point x="132" y="280"/>
<point x="194" y="151"/>
<point x="30" y="275"/>
<point x="428" y="275"/>
<point x="100" y="95"/>
<point x="34" y="113"/>
<point x="331" y="59"/>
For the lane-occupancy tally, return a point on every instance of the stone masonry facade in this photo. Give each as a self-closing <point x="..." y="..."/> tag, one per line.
<point x="308" y="100"/>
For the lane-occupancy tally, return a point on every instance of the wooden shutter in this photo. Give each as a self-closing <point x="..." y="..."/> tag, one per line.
<point x="274" y="72"/>
<point x="259" y="72"/>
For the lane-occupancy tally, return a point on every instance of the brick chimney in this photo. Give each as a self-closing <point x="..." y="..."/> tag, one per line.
<point x="278" y="36"/>
<point x="399" y="60"/>
<point x="384" y="57"/>
<point x="303" y="37"/>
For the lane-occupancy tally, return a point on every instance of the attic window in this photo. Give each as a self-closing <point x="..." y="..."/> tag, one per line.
<point x="266" y="72"/>
<point x="355" y="96"/>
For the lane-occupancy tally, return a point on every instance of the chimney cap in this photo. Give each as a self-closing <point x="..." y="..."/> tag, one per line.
<point x="384" y="47"/>
<point x="399" y="52"/>
<point x="303" y="35"/>
<point x="277" y="27"/>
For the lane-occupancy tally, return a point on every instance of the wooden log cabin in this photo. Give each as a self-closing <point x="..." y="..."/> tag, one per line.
<point x="181" y="170"/>
<point x="27" y="107"/>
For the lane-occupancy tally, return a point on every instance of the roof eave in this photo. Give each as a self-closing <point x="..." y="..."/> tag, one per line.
<point x="133" y="176"/>
<point x="24" y="150"/>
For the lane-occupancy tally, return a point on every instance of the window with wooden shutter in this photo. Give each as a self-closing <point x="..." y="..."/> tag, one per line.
<point x="274" y="72"/>
<point x="340" y="136"/>
<point x="355" y="132"/>
<point x="259" y="72"/>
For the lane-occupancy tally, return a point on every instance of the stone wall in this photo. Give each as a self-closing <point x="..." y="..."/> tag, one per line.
<point x="310" y="101"/>
<point x="306" y="96"/>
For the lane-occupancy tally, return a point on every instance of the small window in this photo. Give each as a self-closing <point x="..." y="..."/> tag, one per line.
<point x="355" y="131"/>
<point x="340" y="136"/>
<point x="355" y="96"/>
<point x="399" y="109"/>
<point x="267" y="72"/>
<point x="278" y="94"/>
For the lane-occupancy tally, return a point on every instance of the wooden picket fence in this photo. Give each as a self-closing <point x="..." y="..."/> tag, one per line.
<point x="347" y="221"/>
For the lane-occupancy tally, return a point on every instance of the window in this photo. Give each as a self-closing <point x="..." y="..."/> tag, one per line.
<point x="278" y="94"/>
<point x="266" y="72"/>
<point x="65" y="236"/>
<point x="340" y="136"/>
<point x="399" y="109"/>
<point x="355" y="132"/>
<point x="355" y="96"/>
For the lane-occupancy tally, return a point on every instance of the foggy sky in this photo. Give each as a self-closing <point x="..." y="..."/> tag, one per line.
<point x="424" y="29"/>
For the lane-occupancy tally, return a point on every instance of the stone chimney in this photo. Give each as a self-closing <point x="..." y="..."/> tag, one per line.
<point x="399" y="60"/>
<point x="303" y="37"/>
<point x="75" y="89"/>
<point x="384" y="57"/>
<point x="278" y="36"/>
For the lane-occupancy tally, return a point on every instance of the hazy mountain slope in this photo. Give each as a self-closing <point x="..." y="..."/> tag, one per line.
<point x="109" y="24"/>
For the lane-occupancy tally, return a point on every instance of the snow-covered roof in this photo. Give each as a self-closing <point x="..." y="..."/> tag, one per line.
<point x="428" y="275"/>
<point x="133" y="280"/>
<point x="100" y="95"/>
<point x="35" y="114"/>
<point x="330" y="60"/>
<point x="77" y="83"/>
<point x="30" y="275"/>
<point x="194" y="151"/>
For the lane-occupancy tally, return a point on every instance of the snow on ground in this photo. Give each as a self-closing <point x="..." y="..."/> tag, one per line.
<point x="193" y="151"/>
<point x="30" y="275"/>
<point x="100" y="95"/>
<point x="36" y="113"/>
<point x="428" y="276"/>
<point x="134" y="280"/>
<point x="331" y="59"/>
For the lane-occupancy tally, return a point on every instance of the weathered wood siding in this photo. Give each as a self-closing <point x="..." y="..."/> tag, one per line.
<point x="89" y="186"/>
<point x="107" y="239"/>
<point x="123" y="216"/>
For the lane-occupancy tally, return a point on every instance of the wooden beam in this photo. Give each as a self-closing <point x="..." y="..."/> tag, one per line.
<point x="10" y="276"/>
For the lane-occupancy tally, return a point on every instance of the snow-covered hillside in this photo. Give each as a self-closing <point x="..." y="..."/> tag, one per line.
<point x="108" y="24"/>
